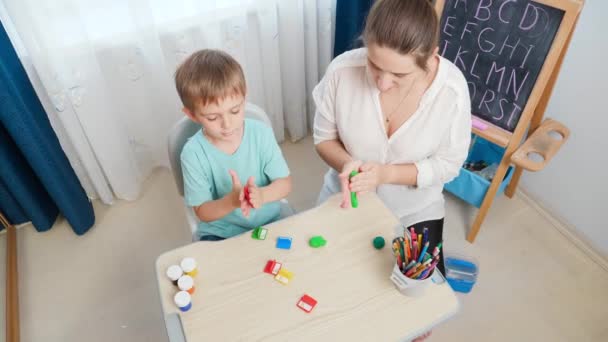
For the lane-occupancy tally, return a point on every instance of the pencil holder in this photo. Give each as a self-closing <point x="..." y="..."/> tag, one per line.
<point x="410" y="287"/>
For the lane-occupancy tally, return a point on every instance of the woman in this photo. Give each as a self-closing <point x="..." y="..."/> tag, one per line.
<point x="398" y="113"/>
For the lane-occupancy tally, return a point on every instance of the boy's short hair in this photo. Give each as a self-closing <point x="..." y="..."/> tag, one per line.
<point x="207" y="76"/>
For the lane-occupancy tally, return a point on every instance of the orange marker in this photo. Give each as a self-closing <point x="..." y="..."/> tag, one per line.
<point x="418" y="272"/>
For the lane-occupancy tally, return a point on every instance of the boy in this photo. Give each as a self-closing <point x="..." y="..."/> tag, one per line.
<point x="234" y="172"/>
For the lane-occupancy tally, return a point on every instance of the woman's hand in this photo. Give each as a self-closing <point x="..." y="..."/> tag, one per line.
<point x="345" y="183"/>
<point x="371" y="174"/>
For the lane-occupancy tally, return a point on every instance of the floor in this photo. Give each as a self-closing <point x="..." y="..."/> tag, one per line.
<point x="534" y="284"/>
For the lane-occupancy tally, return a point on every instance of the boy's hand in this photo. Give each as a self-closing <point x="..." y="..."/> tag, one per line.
<point x="237" y="190"/>
<point x="256" y="195"/>
<point x="245" y="197"/>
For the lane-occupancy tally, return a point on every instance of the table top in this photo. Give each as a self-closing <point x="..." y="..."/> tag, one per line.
<point x="235" y="300"/>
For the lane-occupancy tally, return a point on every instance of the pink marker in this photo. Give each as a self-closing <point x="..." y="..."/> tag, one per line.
<point x="431" y="269"/>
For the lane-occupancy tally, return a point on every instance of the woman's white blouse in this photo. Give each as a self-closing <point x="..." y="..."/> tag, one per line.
<point x="435" y="138"/>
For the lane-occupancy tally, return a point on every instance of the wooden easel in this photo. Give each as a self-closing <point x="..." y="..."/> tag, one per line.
<point x="538" y="140"/>
<point x="12" y="289"/>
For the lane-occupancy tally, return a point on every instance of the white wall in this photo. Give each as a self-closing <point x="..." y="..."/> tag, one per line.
<point x="574" y="186"/>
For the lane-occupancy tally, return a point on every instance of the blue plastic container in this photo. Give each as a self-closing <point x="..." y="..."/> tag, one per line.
<point x="461" y="272"/>
<point x="470" y="186"/>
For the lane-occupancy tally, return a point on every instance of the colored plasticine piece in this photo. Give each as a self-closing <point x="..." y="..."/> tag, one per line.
<point x="317" y="241"/>
<point x="259" y="233"/>
<point x="273" y="267"/>
<point x="246" y="194"/>
<point x="379" y="242"/>
<point x="284" y="276"/>
<point x="284" y="242"/>
<point x="307" y="303"/>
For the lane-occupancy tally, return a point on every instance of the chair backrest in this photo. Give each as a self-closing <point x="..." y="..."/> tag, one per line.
<point x="185" y="128"/>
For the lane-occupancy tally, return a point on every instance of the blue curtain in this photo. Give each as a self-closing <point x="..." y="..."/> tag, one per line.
<point x="350" y="18"/>
<point x="37" y="182"/>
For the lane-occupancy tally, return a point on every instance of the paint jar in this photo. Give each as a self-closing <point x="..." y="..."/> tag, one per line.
<point x="189" y="266"/>
<point x="186" y="283"/>
<point x="183" y="300"/>
<point x="174" y="272"/>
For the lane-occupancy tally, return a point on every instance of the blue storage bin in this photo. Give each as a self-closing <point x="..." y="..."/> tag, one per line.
<point x="470" y="186"/>
<point x="461" y="272"/>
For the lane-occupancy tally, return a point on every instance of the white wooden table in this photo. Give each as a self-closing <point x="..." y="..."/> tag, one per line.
<point x="236" y="300"/>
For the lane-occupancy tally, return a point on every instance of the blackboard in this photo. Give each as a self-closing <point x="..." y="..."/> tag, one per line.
<point x="500" y="47"/>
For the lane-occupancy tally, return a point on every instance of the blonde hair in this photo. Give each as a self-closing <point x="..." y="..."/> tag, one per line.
<point x="207" y="76"/>
<point x="406" y="26"/>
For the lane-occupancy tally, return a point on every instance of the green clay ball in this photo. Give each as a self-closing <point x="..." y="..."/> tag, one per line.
<point x="317" y="241"/>
<point x="379" y="242"/>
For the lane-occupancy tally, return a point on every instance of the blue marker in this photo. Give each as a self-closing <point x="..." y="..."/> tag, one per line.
<point x="426" y="246"/>
<point x="425" y="235"/>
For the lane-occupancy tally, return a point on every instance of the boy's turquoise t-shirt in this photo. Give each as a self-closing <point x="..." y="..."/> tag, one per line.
<point x="206" y="177"/>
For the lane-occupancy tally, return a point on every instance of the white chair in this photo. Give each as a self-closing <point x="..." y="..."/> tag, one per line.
<point x="179" y="134"/>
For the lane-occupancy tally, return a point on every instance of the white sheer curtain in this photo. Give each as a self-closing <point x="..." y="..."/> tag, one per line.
<point x="103" y="70"/>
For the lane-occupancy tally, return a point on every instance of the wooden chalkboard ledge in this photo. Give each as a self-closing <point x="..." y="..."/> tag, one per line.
<point x="492" y="133"/>
<point x="541" y="146"/>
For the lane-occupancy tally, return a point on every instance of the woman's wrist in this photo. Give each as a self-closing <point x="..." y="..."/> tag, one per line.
<point x="398" y="174"/>
<point x="385" y="172"/>
<point x="344" y="163"/>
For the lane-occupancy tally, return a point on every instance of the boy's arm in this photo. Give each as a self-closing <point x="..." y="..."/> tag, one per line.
<point x="276" y="190"/>
<point x="216" y="209"/>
